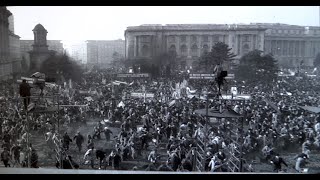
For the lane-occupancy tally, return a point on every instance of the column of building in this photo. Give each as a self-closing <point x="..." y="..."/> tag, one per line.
<point x="135" y="46"/>
<point x="189" y="45"/>
<point x="178" y="45"/>
<point x="199" y="45"/>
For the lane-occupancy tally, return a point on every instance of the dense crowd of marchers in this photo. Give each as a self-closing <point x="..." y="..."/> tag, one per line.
<point x="145" y="123"/>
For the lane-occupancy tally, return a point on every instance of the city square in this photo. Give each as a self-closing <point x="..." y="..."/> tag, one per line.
<point x="182" y="98"/>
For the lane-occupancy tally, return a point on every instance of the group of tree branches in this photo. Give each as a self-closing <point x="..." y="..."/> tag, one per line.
<point x="59" y="68"/>
<point x="254" y="67"/>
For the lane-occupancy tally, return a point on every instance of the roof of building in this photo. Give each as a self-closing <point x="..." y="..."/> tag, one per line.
<point x="39" y="27"/>
<point x="195" y="27"/>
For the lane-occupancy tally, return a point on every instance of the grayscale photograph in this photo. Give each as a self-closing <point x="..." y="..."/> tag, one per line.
<point x="159" y="89"/>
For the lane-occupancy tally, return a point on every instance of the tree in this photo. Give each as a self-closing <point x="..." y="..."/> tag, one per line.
<point x="58" y="66"/>
<point x="316" y="61"/>
<point x="219" y="54"/>
<point x="118" y="62"/>
<point x="257" y="68"/>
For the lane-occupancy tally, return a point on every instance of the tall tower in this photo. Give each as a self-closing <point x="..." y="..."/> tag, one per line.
<point x="40" y="38"/>
<point x="40" y="51"/>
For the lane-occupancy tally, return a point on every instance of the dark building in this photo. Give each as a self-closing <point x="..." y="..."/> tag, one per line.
<point x="10" y="56"/>
<point x="40" y="51"/>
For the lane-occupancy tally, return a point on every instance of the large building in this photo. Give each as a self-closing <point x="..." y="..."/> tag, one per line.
<point x="10" y="57"/>
<point x="78" y="52"/>
<point x="54" y="45"/>
<point x="40" y="51"/>
<point x="15" y="54"/>
<point x="101" y="51"/>
<point x="189" y="41"/>
<point x="47" y="46"/>
<point x="5" y="65"/>
<point x="292" y="45"/>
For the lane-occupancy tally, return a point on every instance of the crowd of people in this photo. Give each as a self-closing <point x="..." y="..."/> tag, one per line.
<point x="274" y="122"/>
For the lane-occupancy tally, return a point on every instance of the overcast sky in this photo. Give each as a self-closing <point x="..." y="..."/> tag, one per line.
<point x="70" y="23"/>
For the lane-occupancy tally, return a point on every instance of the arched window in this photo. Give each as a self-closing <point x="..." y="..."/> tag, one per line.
<point x="245" y="49"/>
<point x="194" y="50"/>
<point x="184" y="50"/>
<point x="145" y="50"/>
<point x="172" y="48"/>
<point x="193" y="38"/>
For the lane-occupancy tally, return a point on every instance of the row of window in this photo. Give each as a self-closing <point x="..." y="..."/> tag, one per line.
<point x="205" y="38"/>
<point x="294" y="48"/>
<point x="287" y="48"/>
<point x="193" y="38"/>
<point x="291" y="31"/>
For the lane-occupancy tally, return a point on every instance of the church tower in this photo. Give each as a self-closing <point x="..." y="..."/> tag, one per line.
<point x="40" y="38"/>
<point x="40" y="51"/>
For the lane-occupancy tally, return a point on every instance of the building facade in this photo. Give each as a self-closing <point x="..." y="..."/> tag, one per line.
<point x="101" y="51"/>
<point x="78" y="52"/>
<point x="5" y="64"/>
<point x="40" y="51"/>
<point x="15" y="54"/>
<point x="290" y="45"/>
<point x="10" y="56"/>
<point x="190" y="41"/>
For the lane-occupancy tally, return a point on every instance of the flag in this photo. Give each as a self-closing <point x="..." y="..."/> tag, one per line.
<point x="70" y="84"/>
<point x="104" y="81"/>
<point x="121" y="104"/>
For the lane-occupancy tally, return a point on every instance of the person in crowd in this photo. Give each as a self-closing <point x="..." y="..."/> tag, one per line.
<point x="301" y="161"/>
<point x="116" y="161"/>
<point x="66" y="141"/>
<point x="267" y="152"/>
<point x="96" y="133"/>
<point x="152" y="157"/>
<point x="25" y="93"/>
<point x="89" y="156"/>
<point x="15" y="151"/>
<point x="101" y="155"/>
<point x="34" y="157"/>
<point x="90" y="142"/>
<point x="5" y="157"/>
<point x="277" y="160"/>
<point x="50" y="142"/>
<point x="107" y="132"/>
<point x="79" y="140"/>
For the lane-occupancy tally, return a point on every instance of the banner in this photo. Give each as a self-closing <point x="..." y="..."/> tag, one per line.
<point x="142" y="95"/>
<point x="70" y="84"/>
<point x="201" y="76"/>
<point x="129" y="75"/>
